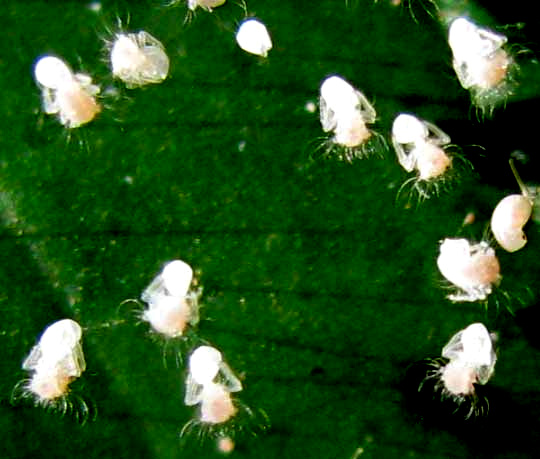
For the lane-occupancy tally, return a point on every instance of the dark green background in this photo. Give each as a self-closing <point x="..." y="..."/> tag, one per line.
<point x="320" y="287"/>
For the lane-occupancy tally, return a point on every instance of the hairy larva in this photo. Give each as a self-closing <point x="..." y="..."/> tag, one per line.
<point x="172" y="304"/>
<point x="210" y="384"/>
<point x="346" y="113"/>
<point x="138" y="59"/>
<point x="68" y="95"/>
<point x="422" y="147"/>
<point x="419" y="146"/>
<point x="206" y="368"/>
<point x="481" y="63"/>
<point x="468" y="360"/>
<point x="53" y="363"/>
<point x="473" y="268"/>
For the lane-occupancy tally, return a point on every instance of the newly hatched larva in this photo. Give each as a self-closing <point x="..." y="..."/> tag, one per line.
<point x="54" y="362"/>
<point x="481" y="63"/>
<point x="253" y="37"/>
<point x="172" y="305"/>
<point x="209" y="384"/>
<point x="419" y="146"/>
<point x="346" y="112"/>
<point x="206" y="366"/>
<point x="510" y="215"/>
<point x="138" y="59"/>
<point x="58" y="346"/>
<point x="70" y="96"/>
<point x="473" y="268"/>
<point x="473" y="347"/>
<point x="469" y="359"/>
<point x="204" y="4"/>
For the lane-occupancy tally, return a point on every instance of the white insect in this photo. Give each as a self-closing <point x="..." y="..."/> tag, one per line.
<point x="253" y="37"/>
<point x="210" y="383"/>
<point x="54" y="362"/>
<point x="172" y="306"/>
<point x="510" y="215"/>
<point x="204" y="4"/>
<point x="70" y="96"/>
<point x="473" y="347"/>
<point x="138" y="59"/>
<point x="419" y="146"/>
<point x="470" y="359"/>
<point x="480" y="62"/>
<point x="473" y="268"/>
<point x="346" y="112"/>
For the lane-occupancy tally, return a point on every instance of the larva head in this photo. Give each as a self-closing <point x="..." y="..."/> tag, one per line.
<point x="477" y="346"/>
<point x="408" y="129"/>
<point x="467" y="40"/>
<point x="508" y="219"/>
<point x="338" y="95"/>
<point x="51" y="72"/>
<point x="60" y="338"/>
<point x="204" y="364"/>
<point x="454" y="254"/>
<point x="177" y="276"/>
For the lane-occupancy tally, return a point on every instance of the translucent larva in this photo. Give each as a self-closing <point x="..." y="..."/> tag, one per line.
<point x="54" y="362"/>
<point x="253" y="37"/>
<point x="172" y="304"/>
<point x="473" y="347"/>
<point x="210" y="384"/>
<point x="473" y="268"/>
<point x="58" y="347"/>
<point x="207" y="368"/>
<point x="420" y="146"/>
<point x="138" y="59"/>
<point x="346" y="113"/>
<point x="468" y="359"/>
<point x="471" y="361"/>
<point x="510" y="215"/>
<point x="481" y="63"/>
<point x="68" y="95"/>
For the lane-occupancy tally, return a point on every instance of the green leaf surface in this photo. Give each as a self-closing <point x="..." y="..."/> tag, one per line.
<point x="320" y="285"/>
